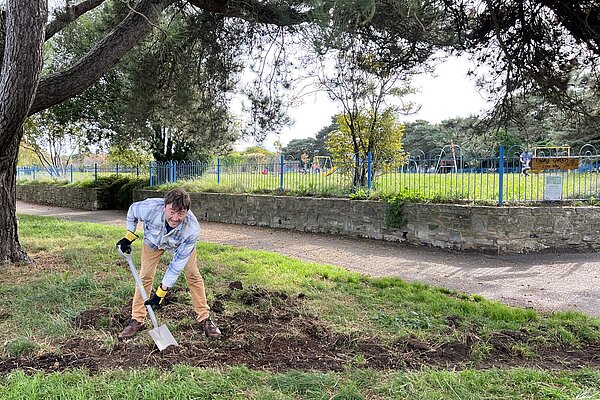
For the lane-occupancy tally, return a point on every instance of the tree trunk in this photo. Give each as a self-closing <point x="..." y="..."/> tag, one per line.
<point x="19" y="77"/>
<point x="10" y="248"/>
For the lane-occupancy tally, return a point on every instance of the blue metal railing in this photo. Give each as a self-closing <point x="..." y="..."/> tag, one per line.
<point x="495" y="179"/>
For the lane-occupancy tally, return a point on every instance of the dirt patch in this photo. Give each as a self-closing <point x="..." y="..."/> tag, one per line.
<point x="275" y="334"/>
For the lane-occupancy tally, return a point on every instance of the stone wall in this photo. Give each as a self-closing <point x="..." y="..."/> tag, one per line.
<point x="84" y="199"/>
<point x="309" y="214"/>
<point x="468" y="228"/>
<point x="504" y="230"/>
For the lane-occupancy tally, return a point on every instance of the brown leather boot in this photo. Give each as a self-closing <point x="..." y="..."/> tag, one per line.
<point x="130" y="330"/>
<point x="210" y="329"/>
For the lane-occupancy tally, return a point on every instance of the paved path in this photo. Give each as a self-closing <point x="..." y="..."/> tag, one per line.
<point x="542" y="281"/>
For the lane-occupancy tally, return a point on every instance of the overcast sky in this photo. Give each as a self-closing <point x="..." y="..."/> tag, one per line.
<point x="447" y="94"/>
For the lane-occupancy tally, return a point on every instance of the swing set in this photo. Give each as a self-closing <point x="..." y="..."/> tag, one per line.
<point x="324" y="165"/>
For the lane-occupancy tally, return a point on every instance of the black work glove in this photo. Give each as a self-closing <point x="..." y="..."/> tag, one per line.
<point x="158" y="297"/>
<point x="125" y="243"/>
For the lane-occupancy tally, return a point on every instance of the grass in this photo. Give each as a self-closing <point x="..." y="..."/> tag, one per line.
<point x="77" y="270"/>
<point x="242" y="383"/>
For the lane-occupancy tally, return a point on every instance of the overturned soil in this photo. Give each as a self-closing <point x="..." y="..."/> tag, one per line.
<point x="273" y="333"/>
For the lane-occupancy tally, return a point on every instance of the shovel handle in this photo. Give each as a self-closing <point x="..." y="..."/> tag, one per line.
<point x="139" y="284"/>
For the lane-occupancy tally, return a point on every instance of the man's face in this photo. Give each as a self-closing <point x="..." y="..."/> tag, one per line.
<point x="174" y="218"/>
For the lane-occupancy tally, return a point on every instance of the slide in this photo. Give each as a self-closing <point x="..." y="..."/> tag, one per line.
<point x="331" y="171"/>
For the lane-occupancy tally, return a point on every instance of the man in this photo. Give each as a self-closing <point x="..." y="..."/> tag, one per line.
<point x="168" y="225"/>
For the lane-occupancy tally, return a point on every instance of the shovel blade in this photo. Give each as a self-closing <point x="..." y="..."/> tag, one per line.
<point x="163" y="337"/>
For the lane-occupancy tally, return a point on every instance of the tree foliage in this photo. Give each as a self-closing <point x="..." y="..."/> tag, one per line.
<point x="54" y="138"/>
<point x="379" y="134"/>
<point x="132" y="156"/>
<point x="311" y="146"/>
<point x="296" y="147"/>
<point x="28" y="158"/>
<point x="530" y="49"/>
<point x="171" y="91"/>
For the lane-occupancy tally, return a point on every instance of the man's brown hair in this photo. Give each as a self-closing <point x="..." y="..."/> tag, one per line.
<point x="179" y="198"/>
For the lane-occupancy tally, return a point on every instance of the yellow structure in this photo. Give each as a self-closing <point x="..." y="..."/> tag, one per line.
<point x="323" y="162"/>
<point x="553" y="158"/>
<point x="330" y="171"/>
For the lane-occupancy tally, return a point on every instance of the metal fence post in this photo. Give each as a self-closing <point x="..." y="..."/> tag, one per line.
<point x="167" y="167"/>
<point x="369" y="169"/>
<point x="150" y="168"/>
<point x="501" y="177"/>
<point x="71" y="173"/>
<point x="218" y="171"/>
<point x="174" y="171"/>
<point x="281" y="164"/>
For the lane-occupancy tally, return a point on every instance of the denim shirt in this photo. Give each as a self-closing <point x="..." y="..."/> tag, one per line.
<point x="180" y="241"/>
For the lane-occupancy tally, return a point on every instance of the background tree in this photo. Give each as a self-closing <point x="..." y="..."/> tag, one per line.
<point x="131" y="156"/>
<point x="28" y="158"/>
<point x="311" y="146"/>
<point x="362" y="85"/>
<point x="421" y="136"/>
<point x="538" y="121"/>
<point x="296" y="147"/>
<point x="380" y="135"/>
<point x="322" y="136"/>
<point x="55" y="135"/>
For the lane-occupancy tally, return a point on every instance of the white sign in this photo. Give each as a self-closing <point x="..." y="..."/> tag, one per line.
<point x="553" y="190"/>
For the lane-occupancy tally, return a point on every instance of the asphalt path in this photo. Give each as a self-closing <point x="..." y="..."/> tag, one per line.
<point x="546" y="282"/>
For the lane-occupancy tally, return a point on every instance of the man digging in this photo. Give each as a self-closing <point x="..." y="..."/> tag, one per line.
<point x="168" y="225"/>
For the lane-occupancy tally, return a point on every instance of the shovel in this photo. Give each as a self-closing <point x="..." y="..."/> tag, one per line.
<point x="160" y="334"/>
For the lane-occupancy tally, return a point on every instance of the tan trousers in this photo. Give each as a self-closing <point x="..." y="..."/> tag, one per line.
<point x="194" y="280"/>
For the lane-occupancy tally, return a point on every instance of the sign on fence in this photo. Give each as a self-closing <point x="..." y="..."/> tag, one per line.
<point x="553" y="188"/>
<point x="554" y="163"/>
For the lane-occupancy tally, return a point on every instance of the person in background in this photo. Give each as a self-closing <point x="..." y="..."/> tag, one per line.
<point x="168" y="225"/>
<point x="303" y="163"/>
<point x="525" y="159"/>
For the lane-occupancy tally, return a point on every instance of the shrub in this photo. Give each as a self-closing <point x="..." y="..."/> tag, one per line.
<point x="117" y="191"/>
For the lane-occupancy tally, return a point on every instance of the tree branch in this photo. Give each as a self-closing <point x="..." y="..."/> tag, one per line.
<point x="581" y="20"/>
<point x="60" y="86"/>
<point x="62" y="18"/>
<point x="255" y="11"/>
<point x="69" y="14"/>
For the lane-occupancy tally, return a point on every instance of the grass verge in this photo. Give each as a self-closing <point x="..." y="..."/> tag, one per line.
<point x="379" y="337"/>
